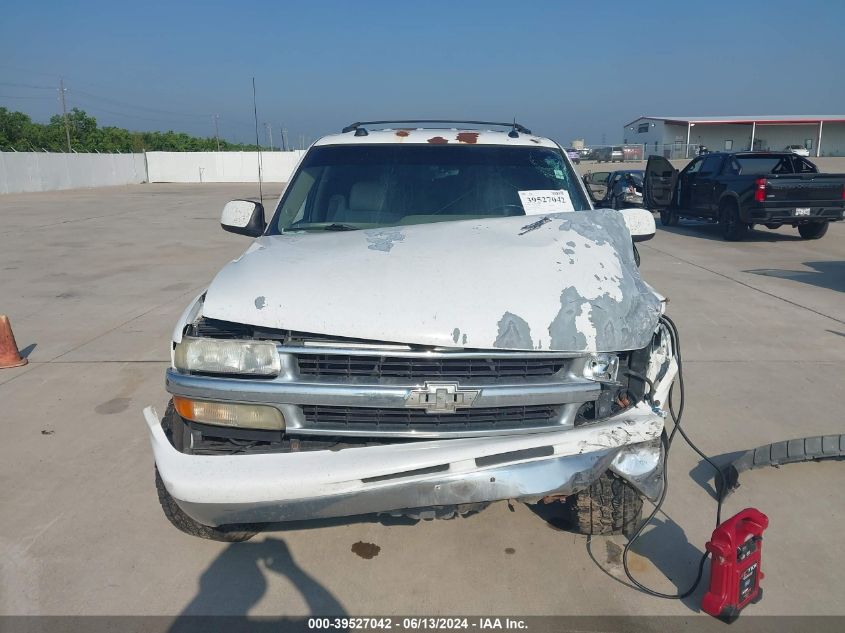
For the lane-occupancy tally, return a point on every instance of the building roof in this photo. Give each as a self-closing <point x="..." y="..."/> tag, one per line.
<point x="775" y="119"/>
<point x="435" y="136"/>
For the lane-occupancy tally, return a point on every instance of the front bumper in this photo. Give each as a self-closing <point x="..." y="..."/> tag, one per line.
<point x="226" y="489"/>
<point x="786" y="214"/>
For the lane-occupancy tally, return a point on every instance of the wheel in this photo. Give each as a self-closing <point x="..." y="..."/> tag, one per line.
<point x="813" y="231"/>
<point x="178" y="431"/>
<point x="668" y="217"/>
<point x="733" y="228"/>
<point x="609" y="506"/>
<point x="180" y="520"/>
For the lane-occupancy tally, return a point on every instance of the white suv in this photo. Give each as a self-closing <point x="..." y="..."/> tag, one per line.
<point x="432" y="319"/>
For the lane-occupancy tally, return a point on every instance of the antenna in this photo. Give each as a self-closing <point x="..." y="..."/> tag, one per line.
<point x="257" y="145"/>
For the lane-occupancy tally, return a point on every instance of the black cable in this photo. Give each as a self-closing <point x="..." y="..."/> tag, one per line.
<point x="650" y="395"/>
<point x="666" y="441"/>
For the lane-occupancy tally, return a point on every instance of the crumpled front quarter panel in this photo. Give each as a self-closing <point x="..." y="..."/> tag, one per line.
<point x="564" y="282"/>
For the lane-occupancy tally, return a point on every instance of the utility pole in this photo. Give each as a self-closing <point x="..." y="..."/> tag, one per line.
<point x="269" y="129"/>
<point x="217" y="130"/>
<point x="64" y="112"/>
<point x="284" y="134"/>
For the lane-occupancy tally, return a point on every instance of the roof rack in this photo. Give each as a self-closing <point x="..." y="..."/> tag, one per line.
<point x="359" y="129"/>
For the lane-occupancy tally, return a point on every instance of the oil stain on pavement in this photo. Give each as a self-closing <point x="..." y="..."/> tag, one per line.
<point x="366" y="550"/>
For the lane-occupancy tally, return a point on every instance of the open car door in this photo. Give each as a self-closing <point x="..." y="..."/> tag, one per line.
<point x="596" y="184"/>
<point x="659" y="183"/>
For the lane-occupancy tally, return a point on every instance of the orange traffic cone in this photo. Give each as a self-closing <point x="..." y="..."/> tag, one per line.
<point x="9" y="354"/>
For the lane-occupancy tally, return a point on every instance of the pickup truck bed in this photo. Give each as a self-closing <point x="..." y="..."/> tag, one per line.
<point x="744" y="189"/>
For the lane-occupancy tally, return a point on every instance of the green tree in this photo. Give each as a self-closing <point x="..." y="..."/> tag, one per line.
<point x="19" y="132"/>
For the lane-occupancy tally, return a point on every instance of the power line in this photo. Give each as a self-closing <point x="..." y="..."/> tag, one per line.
<point x="16" y="85"/>
<point x="24" y="97"/>
<point x="138" y="107"/>
<point x="125" y="115"/>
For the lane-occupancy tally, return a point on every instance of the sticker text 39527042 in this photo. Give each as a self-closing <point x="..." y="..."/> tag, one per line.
<point x="539" y="201"/>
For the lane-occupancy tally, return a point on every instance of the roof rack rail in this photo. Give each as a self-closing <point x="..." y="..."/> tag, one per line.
<point x="360" y="124"/>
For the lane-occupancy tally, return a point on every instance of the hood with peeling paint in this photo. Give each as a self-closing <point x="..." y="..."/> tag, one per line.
<point x="565" y="282"/>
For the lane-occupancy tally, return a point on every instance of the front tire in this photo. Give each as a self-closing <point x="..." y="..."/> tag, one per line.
<point x="733" y="228"/>
<point x="812" y="231"/>
<point x="179" y="434"/>
<point x="609" y="506"/>
<point x="181" y="521"/>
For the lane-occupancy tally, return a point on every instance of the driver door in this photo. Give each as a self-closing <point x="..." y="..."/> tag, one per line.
<point x="659" y="183"/>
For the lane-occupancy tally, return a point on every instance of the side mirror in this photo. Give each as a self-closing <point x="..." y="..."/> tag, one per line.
<point x="640" y="223"/>
<point x="243" y="217"/>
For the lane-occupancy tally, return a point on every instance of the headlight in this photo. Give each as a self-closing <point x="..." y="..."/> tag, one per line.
<point x="602" y="367"/>
<point x="221" y="356"/>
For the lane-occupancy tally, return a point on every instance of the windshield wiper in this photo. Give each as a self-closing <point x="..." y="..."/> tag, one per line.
<point x="337" y="226"/>
<point x="319" y="226"/>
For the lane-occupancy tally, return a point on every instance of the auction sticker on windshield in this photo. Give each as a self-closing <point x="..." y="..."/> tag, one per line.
<point x="538" y="201"/>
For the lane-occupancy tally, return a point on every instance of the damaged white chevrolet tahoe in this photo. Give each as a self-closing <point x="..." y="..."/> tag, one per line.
<point x="433" y="319"/>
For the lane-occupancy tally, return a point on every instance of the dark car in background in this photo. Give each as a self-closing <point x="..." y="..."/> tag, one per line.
<point x="616" y="189"/>
<point x="745" y="189"/>
<point x="574" y="155"/>
<point x="608" y="154"/>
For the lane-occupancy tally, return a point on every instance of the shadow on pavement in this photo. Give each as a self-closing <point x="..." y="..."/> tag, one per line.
<point x="830" y="275"/>
<point x="663" y="544"/>
<point x="704" y="475"/>
<point x="238" y="578"/>
<point x="26" y="351"/>
<point x="712" y="231"/>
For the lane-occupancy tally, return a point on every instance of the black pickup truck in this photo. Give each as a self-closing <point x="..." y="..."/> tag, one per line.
<point x="742" y="189"/>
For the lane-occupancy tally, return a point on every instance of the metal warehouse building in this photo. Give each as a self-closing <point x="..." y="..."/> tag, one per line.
<point x="679" y="137"/>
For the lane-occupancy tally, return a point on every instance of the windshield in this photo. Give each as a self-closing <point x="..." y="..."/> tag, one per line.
<point x="346" y="187"/>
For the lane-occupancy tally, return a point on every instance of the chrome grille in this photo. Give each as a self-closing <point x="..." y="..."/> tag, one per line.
<point x="472" y="419"/>
<point x="421" y="367"/>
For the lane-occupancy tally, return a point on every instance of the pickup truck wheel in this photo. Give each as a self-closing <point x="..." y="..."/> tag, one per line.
<point x="609" y="506"/>
<point x="180" y="520"/>
<point x="733" y="228"/>
<point x="668" y="217"/>
<point x="813" y="231"/>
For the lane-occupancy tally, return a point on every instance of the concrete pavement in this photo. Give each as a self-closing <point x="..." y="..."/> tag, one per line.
<point x="93" y="282"/>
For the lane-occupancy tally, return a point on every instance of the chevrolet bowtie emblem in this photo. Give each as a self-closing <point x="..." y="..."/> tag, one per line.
<point x="441" y="397"/>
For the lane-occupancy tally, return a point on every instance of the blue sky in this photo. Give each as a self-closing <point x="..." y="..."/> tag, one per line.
<point x="565" y="69"/>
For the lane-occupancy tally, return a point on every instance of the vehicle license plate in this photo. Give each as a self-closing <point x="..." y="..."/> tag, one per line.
<point x="802" y="211"/>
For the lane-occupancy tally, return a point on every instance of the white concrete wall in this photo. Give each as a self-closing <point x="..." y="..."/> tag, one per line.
<point x="42" y="171"/>
<point x="220" y="166"/>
